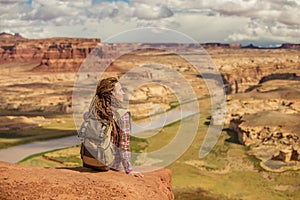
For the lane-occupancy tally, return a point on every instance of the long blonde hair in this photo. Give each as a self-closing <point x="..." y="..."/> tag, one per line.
<point x="105" y="102"/>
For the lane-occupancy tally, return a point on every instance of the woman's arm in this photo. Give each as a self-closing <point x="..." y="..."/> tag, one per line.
<point x="125" y="142"/>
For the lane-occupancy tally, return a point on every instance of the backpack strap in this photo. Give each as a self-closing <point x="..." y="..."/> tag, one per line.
<point x="91" y="111"/>
<point x="109" y="131"/>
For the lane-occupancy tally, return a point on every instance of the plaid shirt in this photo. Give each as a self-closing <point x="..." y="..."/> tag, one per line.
<point x="122" y="153"/>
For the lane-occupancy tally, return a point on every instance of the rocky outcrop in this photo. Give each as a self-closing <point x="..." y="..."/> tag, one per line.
<point x="245" y="68"/>
<point x="290" y="46"/>
<point x="280" y="76"/>
<point x="35" y="93"/>
<point x="267" y="120"/>
<point x="4" y="35"/>
<point x="66" y="55"/>
<point x="272" y="129"/>
<point x="21" y="182"/>
<point x="221" y="45"/>
<point x="151" y="99"/>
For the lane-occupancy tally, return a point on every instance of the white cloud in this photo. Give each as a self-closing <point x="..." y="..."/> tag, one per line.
<point x="268" y="31"/>
<point x="48" y="13"/>
<point x="290" y="17"/>
<point x="260" y="20"/>
<point x="147" y="12"/>
<point x="13" y="1"/>
<point x="204" y="20"/>
<point x="209" y="28"/>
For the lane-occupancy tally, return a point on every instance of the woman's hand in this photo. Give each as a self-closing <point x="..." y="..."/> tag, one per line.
<point x="136" y="174"/>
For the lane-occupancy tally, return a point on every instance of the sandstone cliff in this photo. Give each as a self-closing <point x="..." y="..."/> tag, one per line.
<point x="51" y="54"/>
<point x="20" y="182"/>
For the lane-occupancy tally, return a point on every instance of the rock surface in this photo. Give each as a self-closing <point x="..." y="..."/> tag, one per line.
<point x="21" y="182"/>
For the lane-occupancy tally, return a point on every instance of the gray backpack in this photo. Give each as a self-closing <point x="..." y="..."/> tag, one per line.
<point x="97" y="150"/>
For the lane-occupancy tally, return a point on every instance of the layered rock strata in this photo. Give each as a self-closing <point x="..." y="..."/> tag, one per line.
<point x="51" y="54"/>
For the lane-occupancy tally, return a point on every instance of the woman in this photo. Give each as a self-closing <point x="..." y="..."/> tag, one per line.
<point x="107" y="106"/>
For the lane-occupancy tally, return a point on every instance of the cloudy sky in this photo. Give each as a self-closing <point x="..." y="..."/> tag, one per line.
<point x="267" y="22"/>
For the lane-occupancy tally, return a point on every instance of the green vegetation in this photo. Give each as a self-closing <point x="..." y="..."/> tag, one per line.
<point x="227" y="172"/>
<point x="193" y="194"/>
<point x="65" y="157"/>
<point x="54" y="129"/>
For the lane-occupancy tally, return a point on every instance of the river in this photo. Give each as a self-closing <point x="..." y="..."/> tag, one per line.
<point x="17" y="153"/>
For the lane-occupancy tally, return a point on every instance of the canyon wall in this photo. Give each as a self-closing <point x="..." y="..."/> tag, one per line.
<point x="51" y="54"/>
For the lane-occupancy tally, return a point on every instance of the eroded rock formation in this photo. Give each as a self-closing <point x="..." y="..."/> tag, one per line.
<point x="267" y="120"/>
